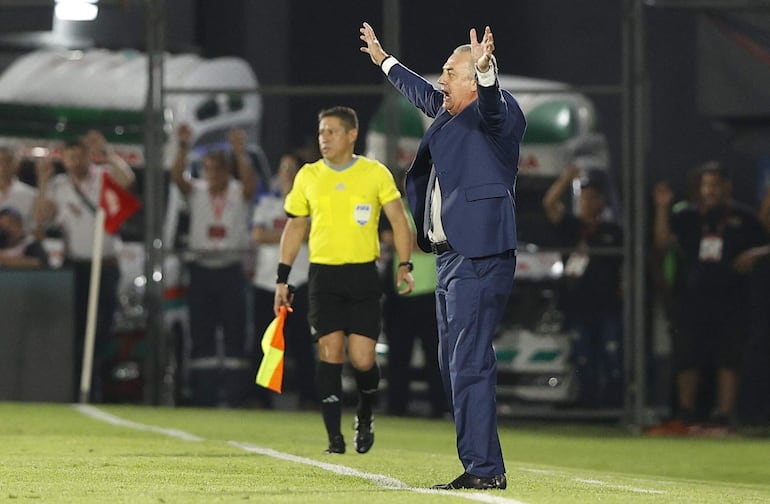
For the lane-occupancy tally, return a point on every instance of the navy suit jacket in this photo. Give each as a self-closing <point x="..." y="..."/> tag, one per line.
<point x="476" y="155"/>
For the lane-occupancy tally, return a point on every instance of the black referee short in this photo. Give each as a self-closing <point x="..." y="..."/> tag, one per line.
<point x="346" y="298"/>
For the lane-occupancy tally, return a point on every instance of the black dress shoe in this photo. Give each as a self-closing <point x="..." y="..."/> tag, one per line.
<point x="466" y="480"/>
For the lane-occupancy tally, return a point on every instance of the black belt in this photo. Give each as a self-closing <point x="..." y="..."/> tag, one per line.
<point x="440" y="247"/>
<point x="444" y="246"/>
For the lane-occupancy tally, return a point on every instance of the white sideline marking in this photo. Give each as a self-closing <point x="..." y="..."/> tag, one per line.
<point x="121" y="422"/>
<point x="619" y="487"/>
<point x="378" y="479"/>
<point x="600" y="483"/>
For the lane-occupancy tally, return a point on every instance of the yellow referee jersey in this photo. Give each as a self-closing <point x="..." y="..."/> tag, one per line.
<point x="344" y="208"/>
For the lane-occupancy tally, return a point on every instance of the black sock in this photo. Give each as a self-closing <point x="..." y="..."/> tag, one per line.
<point x="367" y="382"/>
<point x="329" y="379"/>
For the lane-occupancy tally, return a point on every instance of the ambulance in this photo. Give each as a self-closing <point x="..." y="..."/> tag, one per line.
<point x="50" y="96"/>
<point x="532" y="345"/>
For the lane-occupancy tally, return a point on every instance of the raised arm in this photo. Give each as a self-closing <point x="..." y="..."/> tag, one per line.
<point x="373" y="47"/>
<point x="552" y="203"/>
<point x="99" y="149"/>
<point x="45" y="209"/>
<point x="663" y="197"/>
<point x="184" y="133"/>
<point x="482" y="51"/>
<point x="421" y="93"/>
<point x="237" y="139"/>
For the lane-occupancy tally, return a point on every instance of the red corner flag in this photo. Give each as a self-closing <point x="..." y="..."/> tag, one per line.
<point x="117" y="203"/>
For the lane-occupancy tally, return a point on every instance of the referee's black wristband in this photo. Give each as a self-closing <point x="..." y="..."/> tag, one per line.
<point x="283" y="273"/>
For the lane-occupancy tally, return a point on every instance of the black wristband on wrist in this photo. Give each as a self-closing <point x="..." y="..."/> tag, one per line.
<point x="407" y="264"/>
<point x="386" y="58"/>
<point x="283" y="273"/>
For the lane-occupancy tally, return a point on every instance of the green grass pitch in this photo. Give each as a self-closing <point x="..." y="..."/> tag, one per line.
<point x="134" y="454"/>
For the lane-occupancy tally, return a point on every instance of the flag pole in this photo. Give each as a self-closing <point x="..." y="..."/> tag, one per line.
<point x="93" y="301"/>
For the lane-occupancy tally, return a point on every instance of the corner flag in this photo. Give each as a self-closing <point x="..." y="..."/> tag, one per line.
<point x="118" y="204"/>
<point x="115" y="206"/>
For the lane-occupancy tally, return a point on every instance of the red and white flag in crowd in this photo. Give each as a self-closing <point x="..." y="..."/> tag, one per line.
<point x="117" y="203"/>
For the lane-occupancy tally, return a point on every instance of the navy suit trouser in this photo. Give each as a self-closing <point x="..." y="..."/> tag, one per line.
<point x="471" y="297"/>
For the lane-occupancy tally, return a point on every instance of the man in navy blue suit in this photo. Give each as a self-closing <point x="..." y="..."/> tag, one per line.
<point x="461" y="192"/>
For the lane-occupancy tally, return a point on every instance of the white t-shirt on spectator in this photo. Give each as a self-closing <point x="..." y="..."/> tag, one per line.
<point x="218" y="224"/>
<point x="21" y="196"/>
<point x="270" y="214"/>
<point x="75" y="217"/>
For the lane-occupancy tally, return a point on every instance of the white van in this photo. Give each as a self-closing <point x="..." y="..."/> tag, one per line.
<point x="562" y="128"/>
<point x="49" y="96"/>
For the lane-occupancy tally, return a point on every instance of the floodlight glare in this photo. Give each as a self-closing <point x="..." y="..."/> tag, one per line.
<point x="76" y="10"/>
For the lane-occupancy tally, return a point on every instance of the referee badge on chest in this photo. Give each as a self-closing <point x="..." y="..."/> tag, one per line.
<point x="362" y="213"/>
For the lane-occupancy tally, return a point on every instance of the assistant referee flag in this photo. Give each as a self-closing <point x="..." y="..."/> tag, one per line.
<point x="270" y="373"/>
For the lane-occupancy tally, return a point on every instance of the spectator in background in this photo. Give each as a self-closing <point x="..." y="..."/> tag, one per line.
<point x="69" y="200"/>
<point x="718" y="240"/>
<point x="13" y="192"/>
<point x="219" y="207"/>
<point x="592" y="291"/>
<point x="17" y="248"/>
<point x="268" y="221"/>
<point x="409" y="318"/>
<point x="667" y="276"/>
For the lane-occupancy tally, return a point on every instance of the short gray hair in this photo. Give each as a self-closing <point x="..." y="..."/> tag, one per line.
<point x="466" y="48"/>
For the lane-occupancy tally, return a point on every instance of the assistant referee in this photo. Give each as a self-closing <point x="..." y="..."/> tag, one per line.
<point x="342" y="195"/>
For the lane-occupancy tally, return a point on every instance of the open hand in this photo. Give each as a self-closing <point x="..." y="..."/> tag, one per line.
<point x="373" y="47"/>
<point x="237" y="139"/>
<point x="44" y="170"/>
<point x="184" y="133"/>
<point x="482" y="51"/>
<point x="663" y="195"/>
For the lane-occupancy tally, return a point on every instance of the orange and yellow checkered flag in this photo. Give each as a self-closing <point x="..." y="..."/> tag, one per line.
<point x="270" y="373"/>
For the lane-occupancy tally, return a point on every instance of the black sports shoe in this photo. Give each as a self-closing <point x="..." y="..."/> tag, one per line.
<point x="466" y="480"/>
<point x="336" y="444"/>
<point x="364" y="434"/>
